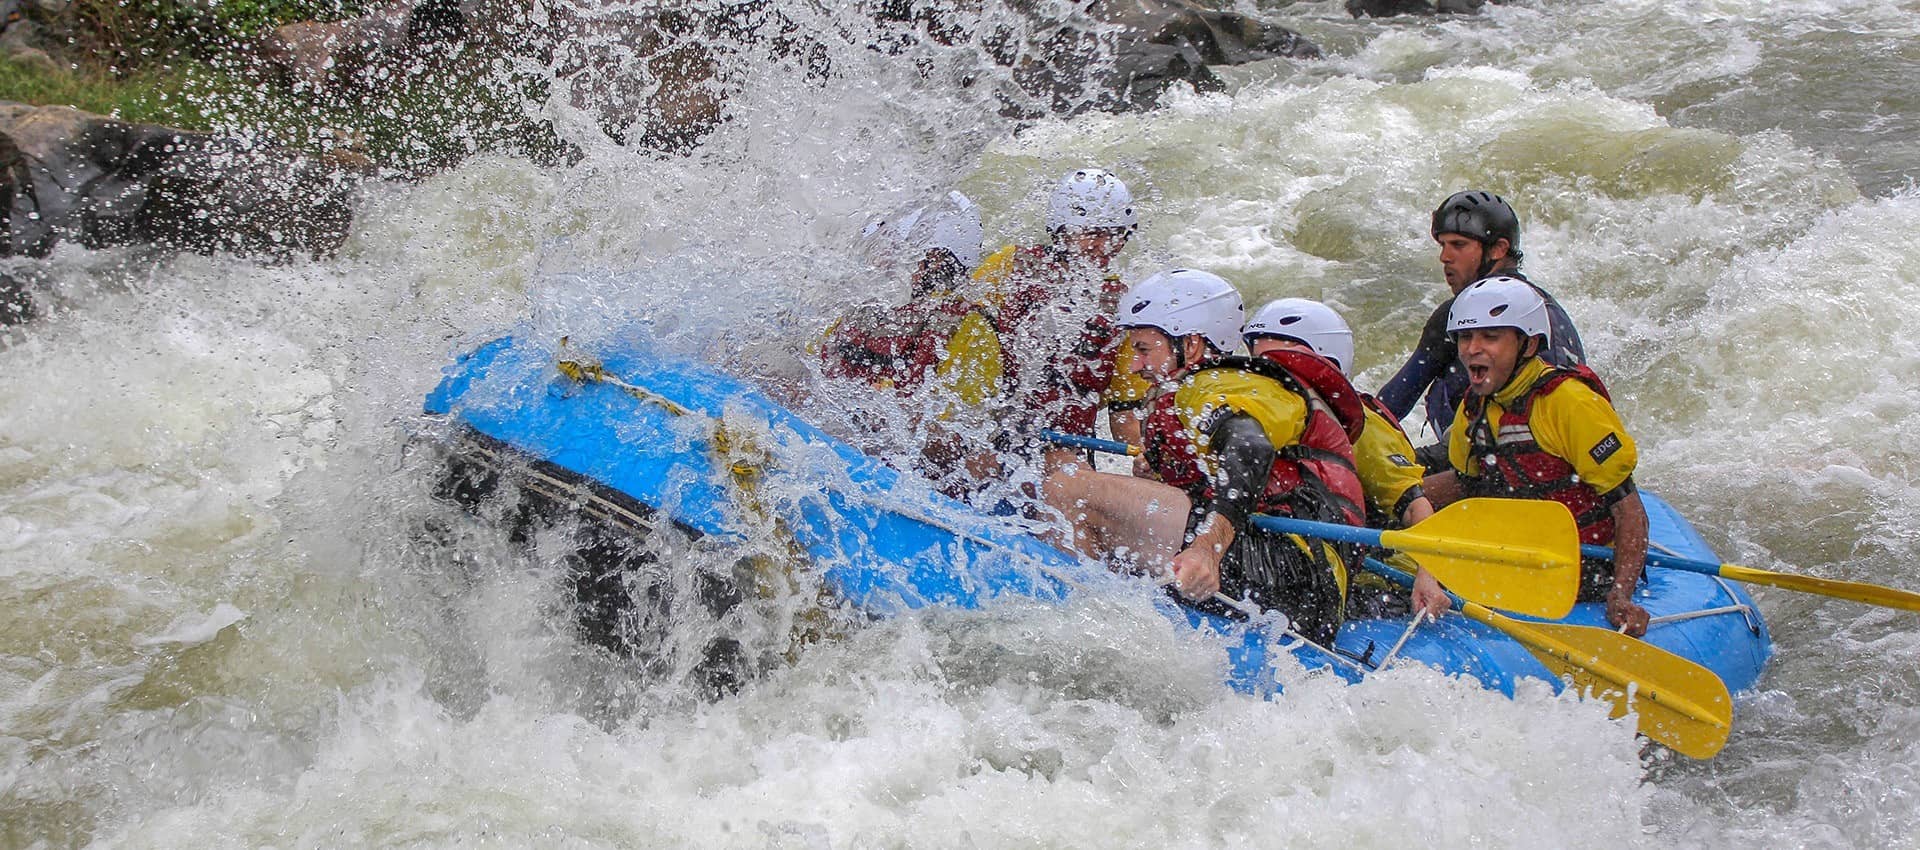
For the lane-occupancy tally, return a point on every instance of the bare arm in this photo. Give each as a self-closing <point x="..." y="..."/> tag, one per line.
<point x="1245" y="458"/>
<point x="1196" y="569"/>
<point x="1629" y="558"/>
<point x="1417" y="510"/>
<point x="1443" y="488"/>
<point x="1427" y="594"/>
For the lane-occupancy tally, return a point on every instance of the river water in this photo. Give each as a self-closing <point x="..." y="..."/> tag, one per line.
<point x="222" y="626"/>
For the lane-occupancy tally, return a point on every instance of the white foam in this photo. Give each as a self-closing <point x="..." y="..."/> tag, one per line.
<point x="190" y="631"/>
<point x="209" y="430"/>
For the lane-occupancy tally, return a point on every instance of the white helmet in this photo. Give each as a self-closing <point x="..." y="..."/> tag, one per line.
<point x="1306" y="321"/>
<point x="1499" y="302"/>
<point x="1090" y="199"/>
<point x="1179" y="302"/>
<point x="952" y="223"/>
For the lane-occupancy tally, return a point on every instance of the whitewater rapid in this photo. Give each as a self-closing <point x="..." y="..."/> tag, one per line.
<point x="223" y="625"/>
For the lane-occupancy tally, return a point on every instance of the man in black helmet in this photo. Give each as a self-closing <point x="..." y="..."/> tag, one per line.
<point x="1479" y="237"/>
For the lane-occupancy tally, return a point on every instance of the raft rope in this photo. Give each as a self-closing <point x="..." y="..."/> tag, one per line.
<point x="745" y="461"/>
<point x="1741" y="608"/>
<point x="556" y="489"/>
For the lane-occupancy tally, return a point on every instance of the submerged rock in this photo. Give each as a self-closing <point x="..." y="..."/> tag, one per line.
<point x="70" y="176"/>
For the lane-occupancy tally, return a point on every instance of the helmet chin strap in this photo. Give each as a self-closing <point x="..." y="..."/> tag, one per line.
<point x="1487" y="261"/>
<point x="1531" y="342"/>
<point x="1180" y="361"/>
<point x="1487" y="264"/>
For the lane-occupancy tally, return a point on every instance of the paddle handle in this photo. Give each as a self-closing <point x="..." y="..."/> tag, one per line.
<point x="1322" y="530"/>
<point x="1247" y="608"/>
<point x="1095" y="443"/>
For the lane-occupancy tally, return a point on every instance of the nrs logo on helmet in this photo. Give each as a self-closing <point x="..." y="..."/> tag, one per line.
<point x="1500" y="302"/>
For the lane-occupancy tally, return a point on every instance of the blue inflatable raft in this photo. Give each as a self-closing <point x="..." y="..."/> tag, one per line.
<point x="633" y="437"/>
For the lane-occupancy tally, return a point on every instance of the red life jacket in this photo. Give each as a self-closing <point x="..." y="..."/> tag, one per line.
<point x="895" y="347"/>
<point x="1512" y="464"/>
<point x="1320" y="375"/>
<point x="1312" y="479"/>
<point x="1057" y="380"/>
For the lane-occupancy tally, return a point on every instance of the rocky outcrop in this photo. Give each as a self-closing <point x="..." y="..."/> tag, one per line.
<point x="1152" y="45"/>
<point x="16" y="302"/>
<point x="656" y="74"/>
<point x="338" y="53"/>
<point x="69" y="176"/>
<point x="1390" y="8"/>
<point x="20" y="38"/>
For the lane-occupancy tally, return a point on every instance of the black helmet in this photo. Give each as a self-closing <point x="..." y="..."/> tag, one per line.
<point x="1483" y="216"/>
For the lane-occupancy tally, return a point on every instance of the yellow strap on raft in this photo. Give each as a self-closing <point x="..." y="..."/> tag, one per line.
<point x="745" y="461"/>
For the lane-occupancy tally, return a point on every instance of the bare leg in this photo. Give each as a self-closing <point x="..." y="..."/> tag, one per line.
<point x="1110" y="513"/>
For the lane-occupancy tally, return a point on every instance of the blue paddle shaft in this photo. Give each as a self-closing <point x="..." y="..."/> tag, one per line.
<point x="1094" y="443"/>
<point x="1400" y="577"/>
<point x="1323" y="530"/>
<point x="1656" y="559"/>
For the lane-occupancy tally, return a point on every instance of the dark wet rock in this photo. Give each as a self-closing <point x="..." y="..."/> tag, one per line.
<point x="1390" y="8"/>
<point x="16" y="302"/>
<point x="75" y="177"/>
<point x="652" y="73"/>
<point x="216" y="196"/>
<point x="1161" y="44"/>
<point x="1116" y="55"/>
<point x="658" y="74"/>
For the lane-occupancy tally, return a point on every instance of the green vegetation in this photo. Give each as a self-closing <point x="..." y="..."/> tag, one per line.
<point x="134" y="34"/>
<point x="191" y="65"/>
<point x="136" y="59"/>
<point x="150" y="96"/>
<point x="445" y="110"/>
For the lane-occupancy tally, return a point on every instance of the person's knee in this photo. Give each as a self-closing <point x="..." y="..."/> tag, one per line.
<point x="1065" y="489"/>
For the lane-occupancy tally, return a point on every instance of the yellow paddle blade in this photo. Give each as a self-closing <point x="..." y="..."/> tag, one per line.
<point x="1872" y="594"/>
<point x="1518" y="554"/>
<point x="1680" y="704"/>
